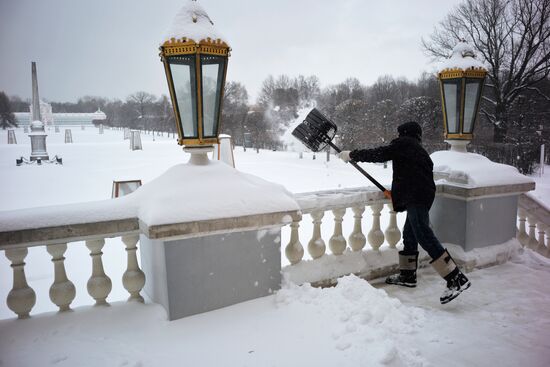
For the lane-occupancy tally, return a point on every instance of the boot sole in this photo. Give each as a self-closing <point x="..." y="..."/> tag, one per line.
<point x="408" y="285"/>
<point x="466" y="286"/>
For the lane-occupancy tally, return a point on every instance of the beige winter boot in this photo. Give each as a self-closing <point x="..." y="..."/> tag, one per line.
<point x="456" y="280"/>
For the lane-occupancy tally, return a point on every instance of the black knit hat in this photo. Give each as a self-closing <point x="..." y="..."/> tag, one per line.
<point x="411" y="129"/>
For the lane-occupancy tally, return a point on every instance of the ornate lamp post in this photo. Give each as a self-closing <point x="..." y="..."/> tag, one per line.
<point x="195" y="61"/>
<point x="461" y="80"/>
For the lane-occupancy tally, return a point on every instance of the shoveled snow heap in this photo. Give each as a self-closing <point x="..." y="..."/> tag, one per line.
<point x="474" y="170"/>
<point x="463" y="58"/>
<point x="363" y="320"/>
<point x="192" y="22"/>
<point x="182" y="194"/>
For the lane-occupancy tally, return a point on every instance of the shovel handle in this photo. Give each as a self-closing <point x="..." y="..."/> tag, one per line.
<point x="387" y="193"/>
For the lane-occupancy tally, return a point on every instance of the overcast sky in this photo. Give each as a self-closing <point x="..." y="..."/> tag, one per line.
<point x="110" y="47"/>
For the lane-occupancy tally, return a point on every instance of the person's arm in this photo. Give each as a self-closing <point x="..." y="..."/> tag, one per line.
<point x="380" y="154"/>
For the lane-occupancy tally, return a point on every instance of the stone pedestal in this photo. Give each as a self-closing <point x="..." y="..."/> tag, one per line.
<point x="38" y="146"/>
<point x="199" y="266"/>
<point x="195" y="275"/>
<point x="476" y="217"/>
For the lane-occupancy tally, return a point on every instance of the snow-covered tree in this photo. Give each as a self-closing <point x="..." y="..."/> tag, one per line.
<point x="512" y="37"/>
<point x="427" y="112"/>
<point x="234" y="110"/>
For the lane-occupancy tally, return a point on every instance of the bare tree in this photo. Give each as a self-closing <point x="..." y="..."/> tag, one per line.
<point x="512" y="37"/>
<point x="141" y="102"/>
<point x="7" y="118"/>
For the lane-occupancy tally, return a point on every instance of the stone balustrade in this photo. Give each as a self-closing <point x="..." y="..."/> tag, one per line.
<point x="366" y="210"/>
<point x="22" y="297"/>
<point x="534" y="224"/>
<point x="338" y="202"/>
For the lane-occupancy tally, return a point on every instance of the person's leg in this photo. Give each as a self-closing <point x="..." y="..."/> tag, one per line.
<point x="408" y="259"/>
<point x="410" y="244"/>
<point x="442" y="261"/>
<point x="419" y="220"/>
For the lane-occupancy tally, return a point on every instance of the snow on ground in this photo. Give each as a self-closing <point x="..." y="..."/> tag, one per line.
<point x="502" y="320"/>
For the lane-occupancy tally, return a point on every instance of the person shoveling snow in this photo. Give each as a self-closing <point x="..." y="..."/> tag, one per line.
<point x="413" y="191"/>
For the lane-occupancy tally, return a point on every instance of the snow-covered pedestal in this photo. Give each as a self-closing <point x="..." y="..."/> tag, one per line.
<point x="211" y="237"/>
<point x="477" y="199"/>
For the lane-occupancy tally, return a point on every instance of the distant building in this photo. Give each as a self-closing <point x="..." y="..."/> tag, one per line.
<point x="59" y="119"/>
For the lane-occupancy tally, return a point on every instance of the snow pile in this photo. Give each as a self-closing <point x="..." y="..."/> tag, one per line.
<point x="363" y="321"/>
<point x="473" y="170"/>
<point x="187" y="193"/>
<point x="463" y="58"/>
<point x="485" y="256"/>
<point x="192" y="22"/>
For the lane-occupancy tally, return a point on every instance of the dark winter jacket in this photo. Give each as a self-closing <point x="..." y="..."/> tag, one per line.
<point x="413" y="182"/>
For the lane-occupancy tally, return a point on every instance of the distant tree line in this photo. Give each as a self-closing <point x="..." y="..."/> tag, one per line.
<point x="512" y="37"/>
<point x="366" y="116"/>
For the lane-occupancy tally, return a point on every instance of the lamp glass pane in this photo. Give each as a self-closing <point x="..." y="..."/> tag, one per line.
<point x="212" y="71"/>
<point x="185" y="85"/>
<point x="451" y="96"/>
<point x="471" y="100"/>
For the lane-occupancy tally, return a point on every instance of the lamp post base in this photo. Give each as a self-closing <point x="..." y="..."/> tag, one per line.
<point x="458" y="145"/>
<point x="199" y="155"/>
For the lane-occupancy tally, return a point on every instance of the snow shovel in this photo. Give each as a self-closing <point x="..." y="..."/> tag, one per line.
<point x="317" y="131"/>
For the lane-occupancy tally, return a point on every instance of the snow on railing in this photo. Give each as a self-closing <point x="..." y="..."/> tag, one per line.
<point x="537" y="216"/>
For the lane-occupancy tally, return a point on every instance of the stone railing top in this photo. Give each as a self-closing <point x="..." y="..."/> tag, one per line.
<point x="116" y="217"/>
<point x="336" y="199"/>
<point x="469" y="193"/>
<point x="535" y="208"/>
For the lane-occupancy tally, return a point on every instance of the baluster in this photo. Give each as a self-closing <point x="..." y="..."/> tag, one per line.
<point x="532" y="243"/>
<point x="375" y="235"/>
<point x="99" y="285"/>
<point x="523" y="237"/>
<point x="337" y="242"/>
<point x="133" y="278"/>
<point x="541" y="247"/>
<point x="316" y="246"/>
<point x="357" y="239"/>
<point x="393" y="234"/>
<point x="62" y="291"/>
<point x="21" y="297"/>
<point x="294" y="251"/>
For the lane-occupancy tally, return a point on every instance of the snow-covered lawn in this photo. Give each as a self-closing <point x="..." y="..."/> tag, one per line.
<point x="503" y="320"/>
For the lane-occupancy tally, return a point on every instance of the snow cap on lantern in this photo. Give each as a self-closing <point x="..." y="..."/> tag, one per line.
<point x="195" y="59"/>
<point x="192" y="23"/>
<point x="463" y="57"/>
